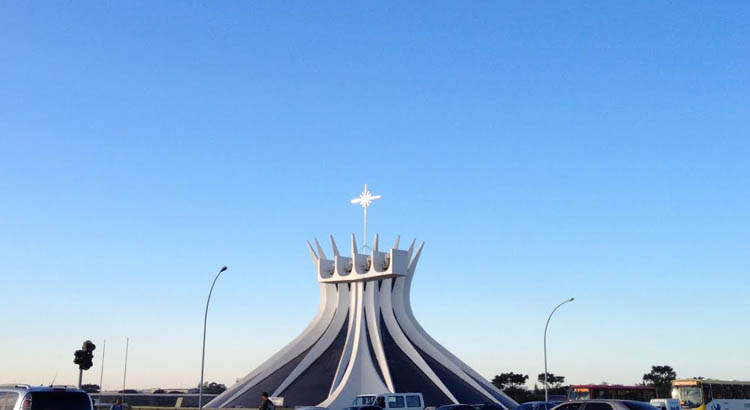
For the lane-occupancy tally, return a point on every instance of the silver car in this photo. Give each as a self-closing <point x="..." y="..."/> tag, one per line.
<point x="604" y="405"/>
<point x="26" y="397"/>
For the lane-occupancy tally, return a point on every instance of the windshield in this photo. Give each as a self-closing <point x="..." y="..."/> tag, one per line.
<point x="689" y="396"/>
<point x="363" y="400"/>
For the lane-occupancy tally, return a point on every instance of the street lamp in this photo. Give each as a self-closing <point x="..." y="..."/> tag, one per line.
<point x="203" y="356"/>
<point x="546" y="395"/>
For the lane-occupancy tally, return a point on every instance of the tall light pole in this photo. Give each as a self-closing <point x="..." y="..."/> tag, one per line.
<point x="546" y="395"/>
<point x="125" y="370"/>
<point x="101" y="373"/>
<point x="203" y="355"/>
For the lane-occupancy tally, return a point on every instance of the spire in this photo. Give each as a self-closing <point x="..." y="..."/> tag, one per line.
<point x="365" y="199"/>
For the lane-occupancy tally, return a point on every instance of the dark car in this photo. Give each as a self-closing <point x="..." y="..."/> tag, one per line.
<point x="538" y="405"/>
<point x="366" y="407"/>
<point x="456" y="407"/>
<point x="605" y="405"/>
<point x="488" y="407"/>
<point x="24" y="396"/>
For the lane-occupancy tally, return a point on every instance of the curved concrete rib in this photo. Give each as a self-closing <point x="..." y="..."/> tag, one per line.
<point x="324" y="342"/>
<point x="427" y="340"/>
<point x="350" y="340"/>
<point x="402" y="341"/>
<point x="372" y="317"/>
<point x="360" y="374"/>
<point x="427" y="346"/>
<point x="311" y="334"/>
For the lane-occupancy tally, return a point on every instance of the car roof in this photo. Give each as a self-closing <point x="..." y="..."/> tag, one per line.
<point x="29" y="388"/>
<point x="604" y="401"/>
<point x="611" y="386"/>
<point x="391" y="394"/>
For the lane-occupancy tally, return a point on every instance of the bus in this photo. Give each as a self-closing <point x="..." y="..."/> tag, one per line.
<point x="708" y="394"/>
<point x="611" y="391"/>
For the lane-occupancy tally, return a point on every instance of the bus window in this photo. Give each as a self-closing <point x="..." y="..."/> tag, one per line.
<point x="718" y="391"/>
<point x="730" y="391"/>
<point x="706" y="393"/>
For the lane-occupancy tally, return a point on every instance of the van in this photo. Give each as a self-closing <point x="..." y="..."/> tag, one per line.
<point x="396" y="401"/>
<point x="26" y="397"/>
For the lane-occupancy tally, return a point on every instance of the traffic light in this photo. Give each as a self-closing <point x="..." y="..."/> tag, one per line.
<point x="88" y="346"/>
<point x="84" y="358"/>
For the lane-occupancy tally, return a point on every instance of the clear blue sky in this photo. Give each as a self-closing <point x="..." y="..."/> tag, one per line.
<point x="542" y="151"/>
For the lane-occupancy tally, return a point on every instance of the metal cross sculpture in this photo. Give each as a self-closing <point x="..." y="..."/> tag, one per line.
<point x="365" y="199"/>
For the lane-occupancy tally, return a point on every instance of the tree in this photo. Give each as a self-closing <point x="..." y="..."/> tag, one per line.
<point x="213" y="388"/>
<point x="509" y="379"/>
<point x="90" y="388"/>
<point x="554" y="382"/>
<point x="512" y="384"/>
<point x="660" y="377"/>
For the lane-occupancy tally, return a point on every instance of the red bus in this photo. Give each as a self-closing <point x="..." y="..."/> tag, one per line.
<point x="611" y="391"/>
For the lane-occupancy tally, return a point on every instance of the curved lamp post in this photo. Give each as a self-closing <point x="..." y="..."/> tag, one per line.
<point x="546" y="395"/>
<point x="203" y="356"/>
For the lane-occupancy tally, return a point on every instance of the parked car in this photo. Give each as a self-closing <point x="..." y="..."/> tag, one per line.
<point x="605" y="405"/>
<point x="488" y="407"/>
<point x="26" y="397"/>
<point x="456" y="407"/>
<point x="365" y="407"/>
<point x="364" y="399"/>
<point x="538" y="405"/>
<point x="402" y="401"/>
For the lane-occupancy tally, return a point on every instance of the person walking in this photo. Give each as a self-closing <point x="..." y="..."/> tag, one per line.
<point x="117" y="404"/>
<point x="266" y="403"/>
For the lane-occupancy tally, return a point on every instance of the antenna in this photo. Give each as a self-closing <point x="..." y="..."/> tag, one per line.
<point x="52" y="383"/>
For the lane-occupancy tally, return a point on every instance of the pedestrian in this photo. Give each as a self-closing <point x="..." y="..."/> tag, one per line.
<point x="117" y="405"/>
<point x="264" y="405"/>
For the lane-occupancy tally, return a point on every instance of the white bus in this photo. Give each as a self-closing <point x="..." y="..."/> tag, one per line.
<point x="708" y="394"/>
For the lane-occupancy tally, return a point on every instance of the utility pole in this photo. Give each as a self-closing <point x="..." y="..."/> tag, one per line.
<point x="125" y="372"/>
<point x="101" y="373"/>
